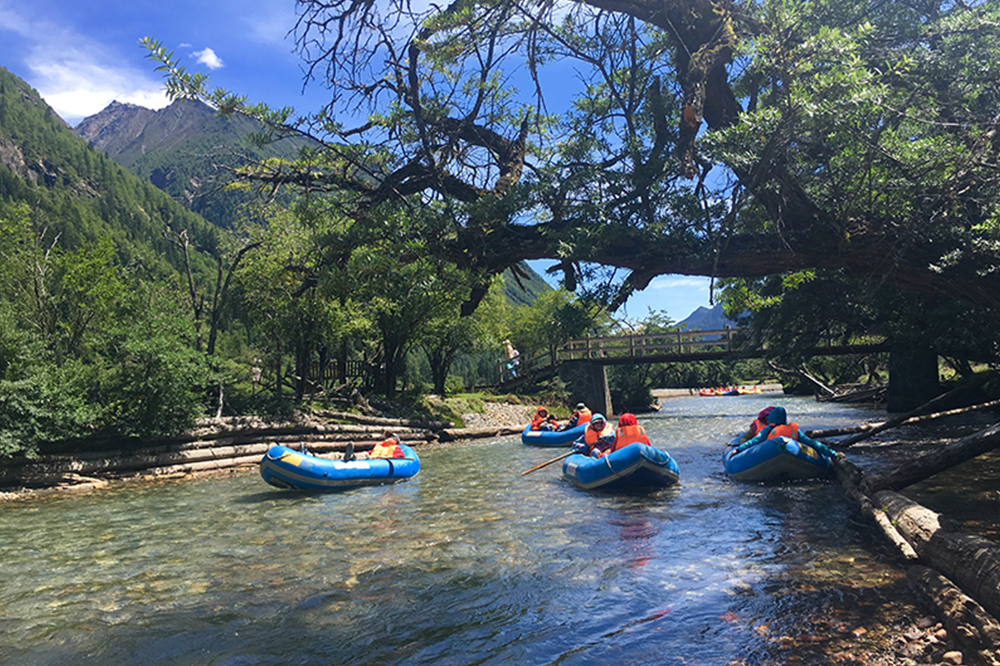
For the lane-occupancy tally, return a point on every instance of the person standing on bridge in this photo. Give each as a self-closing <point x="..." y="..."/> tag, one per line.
<point x="778" y="426"/>
<point x="512" y="358"/>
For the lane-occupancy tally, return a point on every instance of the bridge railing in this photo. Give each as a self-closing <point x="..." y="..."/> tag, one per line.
<point x="646" y="344"/>
<point x="620" y="346"/>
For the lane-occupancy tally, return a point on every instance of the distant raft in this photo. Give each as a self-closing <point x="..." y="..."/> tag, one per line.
<point x="775" y="459"/>
<point x="552" y="437"/>
<point x="637" y="466"/>
<point x="283" y="467"/>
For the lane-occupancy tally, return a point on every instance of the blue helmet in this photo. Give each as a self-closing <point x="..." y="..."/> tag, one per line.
<point x="778" y="416"/>
<point x="598" y="417"/>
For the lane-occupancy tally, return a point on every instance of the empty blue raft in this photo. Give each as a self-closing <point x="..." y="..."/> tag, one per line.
<point x="637" y="466"/>
<point x="283" y="467"/>
<point x="776" y="459"/>
<point x="552" y="437"/>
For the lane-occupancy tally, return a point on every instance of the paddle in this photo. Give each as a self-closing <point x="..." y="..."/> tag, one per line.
<point x="544" y="464"/>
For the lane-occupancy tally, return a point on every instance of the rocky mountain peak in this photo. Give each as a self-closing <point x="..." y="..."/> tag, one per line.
<point x="115" y="125"/>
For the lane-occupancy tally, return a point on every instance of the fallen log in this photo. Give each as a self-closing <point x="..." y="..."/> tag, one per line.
<point x="969" y="560"/>
<point x="380" y="421"/>
<point x="836" y="432"/>
<point x="870" y="394"/>
<point x="454" y="434"/>
<point x="892" y="423"/>
<point x="966" y="621"/>
<point x="936" y="461"/>
<point x="851" y="480"/>
<point x="205" y="466"/>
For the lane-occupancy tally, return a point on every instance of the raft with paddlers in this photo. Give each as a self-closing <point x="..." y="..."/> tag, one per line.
<point x="552" y="437"/>
<point x="283" y="467"/>
<point x="775" y="459"/>
<point x="637" y="466"/>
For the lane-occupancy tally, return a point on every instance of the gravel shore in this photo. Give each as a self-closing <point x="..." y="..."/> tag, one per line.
<point x="500" y="414"/>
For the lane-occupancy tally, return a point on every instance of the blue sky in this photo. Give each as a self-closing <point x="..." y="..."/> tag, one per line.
<point x="82" y="55"/>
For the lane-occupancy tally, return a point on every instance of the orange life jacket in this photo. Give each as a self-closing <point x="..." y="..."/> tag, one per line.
<point x="626" y="435"/>
<point x="538" y="421"/>
<point x="590" y="436"/>
<point x="387" y="449"/>
<point x="789" y="430"/>
<point x="757" y="426"/>
<point x="583" y="416"/>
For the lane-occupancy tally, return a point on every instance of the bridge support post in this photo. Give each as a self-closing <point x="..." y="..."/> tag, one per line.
<point x="913" y="378"/>
<point x="587" y="382"/>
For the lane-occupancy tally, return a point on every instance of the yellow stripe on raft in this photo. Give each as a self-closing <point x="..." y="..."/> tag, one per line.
<point x="292" y="458"/>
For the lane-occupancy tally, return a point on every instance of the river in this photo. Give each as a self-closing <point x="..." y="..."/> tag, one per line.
<point x="468" y="563"/>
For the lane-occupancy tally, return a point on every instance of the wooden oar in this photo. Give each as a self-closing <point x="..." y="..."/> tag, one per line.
<point x="568" y="453"/>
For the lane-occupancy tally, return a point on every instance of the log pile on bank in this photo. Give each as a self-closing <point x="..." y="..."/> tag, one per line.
<point x="221" y="444"/>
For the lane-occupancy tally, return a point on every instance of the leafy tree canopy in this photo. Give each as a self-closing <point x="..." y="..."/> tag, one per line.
<point x="716" y="138"/>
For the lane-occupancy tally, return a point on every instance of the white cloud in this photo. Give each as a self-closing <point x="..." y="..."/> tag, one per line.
<point x="76" y="88"/>
<point x="76" y="76"/>
<point x="697" y="282"/>
<point x="208" y="58"/>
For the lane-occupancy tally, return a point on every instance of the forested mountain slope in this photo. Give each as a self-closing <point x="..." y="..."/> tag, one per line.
<point x="185" y="149"/>
<point x="79" y="195"/>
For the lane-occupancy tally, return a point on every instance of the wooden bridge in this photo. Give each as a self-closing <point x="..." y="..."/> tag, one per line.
<point x="671" y="347"/>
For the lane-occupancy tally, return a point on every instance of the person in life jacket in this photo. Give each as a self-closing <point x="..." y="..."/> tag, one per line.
<point x="597" y="438"/>
<point x="543" y="421"/>
<point x="778" y="426"/>
<point x="388" y="447"/>
<point x="757" y="425"/>
<point x="628" y="432"/>
<point x="580" y="416"/>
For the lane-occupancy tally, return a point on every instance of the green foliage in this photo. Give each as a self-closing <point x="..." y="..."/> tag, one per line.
<point x="152" y="385"/>
<point x="554" y="318"/>
<point x="630" y="387"/>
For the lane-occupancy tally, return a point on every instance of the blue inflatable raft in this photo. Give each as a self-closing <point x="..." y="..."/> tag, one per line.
<point x="552" y="437"/>
<point x="283" y="467"/>
<point x="775" y="459"/>
<point x="637" y="466"/>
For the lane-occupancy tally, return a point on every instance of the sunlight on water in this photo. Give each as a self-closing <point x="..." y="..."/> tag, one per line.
<point x="469" y="562"/>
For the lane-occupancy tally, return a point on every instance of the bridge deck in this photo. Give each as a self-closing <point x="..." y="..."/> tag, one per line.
<point x="673" y="347"/>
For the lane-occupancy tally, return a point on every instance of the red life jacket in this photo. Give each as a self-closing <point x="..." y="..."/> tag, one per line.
<point x="789" y="430"/>
<point x="757" y="426"/>
<point x="590" y="436"/>
<point x="626" y="435"/>
<point x="388" y="448"/>
<point x="538" y="421"/>
<point x="583" y="416"/>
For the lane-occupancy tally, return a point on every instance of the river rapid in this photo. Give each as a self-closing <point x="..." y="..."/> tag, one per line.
<point x="468" y="563"/>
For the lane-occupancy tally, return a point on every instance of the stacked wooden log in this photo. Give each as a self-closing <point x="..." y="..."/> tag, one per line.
<point x="214" y="444"/>
<point x="228" y="443"/>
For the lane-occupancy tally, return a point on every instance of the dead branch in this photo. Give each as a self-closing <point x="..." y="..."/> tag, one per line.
<point x="836" y="432"/>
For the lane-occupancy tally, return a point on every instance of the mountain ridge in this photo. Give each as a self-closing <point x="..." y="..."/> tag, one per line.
<point x="707" y="319"/>
<point x="81" y="196"/>
<point x="186" y="149"/>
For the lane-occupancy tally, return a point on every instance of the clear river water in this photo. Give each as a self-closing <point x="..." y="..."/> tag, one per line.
<point x="468" y="563"/>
